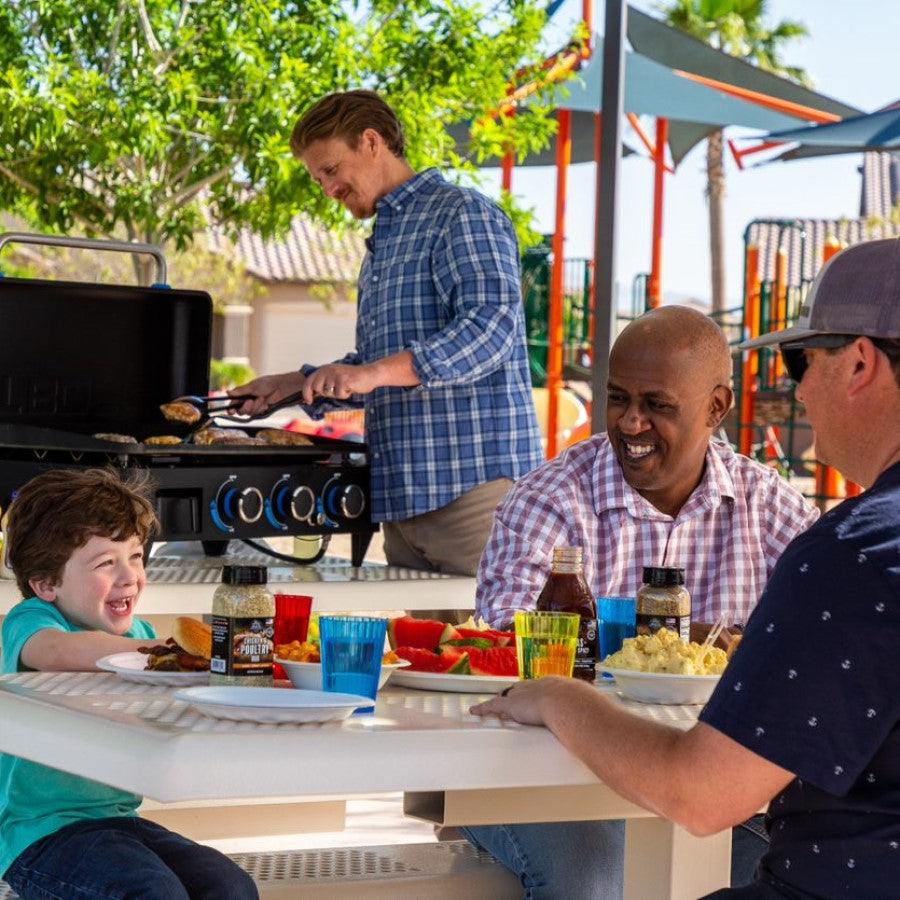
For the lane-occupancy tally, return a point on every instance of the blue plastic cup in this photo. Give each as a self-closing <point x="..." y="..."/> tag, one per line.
<point x="615" y="621"/>
<point x="351" y="648"/>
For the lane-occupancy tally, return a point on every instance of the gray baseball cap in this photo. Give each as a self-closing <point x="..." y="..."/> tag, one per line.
<point x="856" y="292"/>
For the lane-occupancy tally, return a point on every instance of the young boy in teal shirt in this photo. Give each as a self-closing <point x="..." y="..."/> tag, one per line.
<point x="76" y="547"/>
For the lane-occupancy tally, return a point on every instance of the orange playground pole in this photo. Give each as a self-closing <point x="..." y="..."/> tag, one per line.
<point x="780" y="303"/>
<point x="851" y="489"/>
<point x="829" y="484"/>
<point x="832" y="246"/>
<point x="598" y="117"/>
<point x="555" y="325"/>
<point x="750" y="364"/>
<point x="506" y="168"/>
<point x="833" y="483"/>
<point x="654" y="286"/>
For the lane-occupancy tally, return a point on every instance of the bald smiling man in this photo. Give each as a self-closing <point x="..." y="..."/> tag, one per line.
<point x="656" y="489"/>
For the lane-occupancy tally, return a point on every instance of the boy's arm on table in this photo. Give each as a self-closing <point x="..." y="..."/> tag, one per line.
<point x="49" y="650"/>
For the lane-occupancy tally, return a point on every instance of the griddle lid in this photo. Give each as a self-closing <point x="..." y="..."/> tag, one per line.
<point x="99" y="358"/>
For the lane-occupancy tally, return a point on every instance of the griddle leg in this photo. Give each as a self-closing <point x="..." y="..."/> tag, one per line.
<point x="214" y="548"/>
<point x="359" y="543"/>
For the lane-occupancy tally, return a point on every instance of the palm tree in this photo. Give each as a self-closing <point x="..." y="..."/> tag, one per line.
<point x="735" y="27"/>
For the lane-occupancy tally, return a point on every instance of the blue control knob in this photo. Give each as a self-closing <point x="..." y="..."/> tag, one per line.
<point x="347" y="501"/>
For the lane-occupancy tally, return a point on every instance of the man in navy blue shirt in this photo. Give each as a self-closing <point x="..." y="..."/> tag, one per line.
<point x="440" y="364"/>
<point x="806" y="718"/>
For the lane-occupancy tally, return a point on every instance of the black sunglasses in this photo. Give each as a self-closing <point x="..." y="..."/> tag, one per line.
<point x="795" y="359"/>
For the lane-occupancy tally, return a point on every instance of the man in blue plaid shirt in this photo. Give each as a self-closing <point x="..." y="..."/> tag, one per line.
<point x="440" y="364"/>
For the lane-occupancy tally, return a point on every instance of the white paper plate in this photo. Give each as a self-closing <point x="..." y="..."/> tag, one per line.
<point x="308" y="675"/>
<point x="263" y="704"/>
<point x="663" y="687"/>
<point x="131" y="667"/>
<point x="457" y="684"/>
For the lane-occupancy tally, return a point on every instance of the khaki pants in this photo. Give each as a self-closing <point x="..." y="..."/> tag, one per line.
<point x="450" y="539"/>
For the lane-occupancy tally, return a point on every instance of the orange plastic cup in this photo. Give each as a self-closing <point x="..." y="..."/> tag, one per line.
<point x="291" y="622"/>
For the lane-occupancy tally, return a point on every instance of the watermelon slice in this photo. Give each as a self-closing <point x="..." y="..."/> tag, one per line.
<point x="406" y="631"/>
<point x="457" y="659"/>
<point x="481" y="643"/>
<point x="452" y="660"/>
<point x="497" y="638"/>
<point x="504" y="638"/>
<point x="493" y="661"/>
<point x="420" y="659"/>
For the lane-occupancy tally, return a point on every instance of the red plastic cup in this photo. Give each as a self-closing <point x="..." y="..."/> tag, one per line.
<point x="291" y="622"/>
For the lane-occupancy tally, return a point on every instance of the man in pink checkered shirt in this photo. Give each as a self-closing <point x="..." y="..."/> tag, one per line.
<point x="655" y="490"/>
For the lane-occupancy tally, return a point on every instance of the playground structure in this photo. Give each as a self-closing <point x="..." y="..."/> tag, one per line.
<point x="781" y="258"/>
<point x="679" y="82"/>
<point x="577" y="312"/>
<point x="687" y="105"/>
<point x="577" y="286"/>
<point x="573" y="422"/>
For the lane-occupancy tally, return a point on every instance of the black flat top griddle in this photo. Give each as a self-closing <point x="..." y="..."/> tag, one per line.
<point x="29" y="437"/>
<point x="99" y="358"/>
<point x="79" y="359"/>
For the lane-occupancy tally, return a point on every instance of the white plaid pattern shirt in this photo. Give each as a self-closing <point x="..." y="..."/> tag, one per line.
<point x="727" y="536"/>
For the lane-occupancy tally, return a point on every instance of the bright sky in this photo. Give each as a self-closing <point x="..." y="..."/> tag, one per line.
<point x="852" y="61"/>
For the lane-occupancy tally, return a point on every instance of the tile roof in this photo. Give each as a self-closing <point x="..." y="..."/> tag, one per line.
<point x="308" y="253"/>
<point x="803" y="240"/>
<point x="880" y="184"/>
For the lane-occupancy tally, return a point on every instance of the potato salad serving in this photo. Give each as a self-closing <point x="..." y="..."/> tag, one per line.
<point x="665" y="651"/>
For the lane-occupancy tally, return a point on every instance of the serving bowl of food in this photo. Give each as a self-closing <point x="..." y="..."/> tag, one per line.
<point x="308" y="675"/>
<point x="663" y="687"/>
<point x="662" y="668"/>
<point x="303" y="666"/>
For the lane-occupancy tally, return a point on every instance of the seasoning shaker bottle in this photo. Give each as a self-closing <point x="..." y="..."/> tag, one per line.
<point x="663" y="601"/>
<point x="243" y="629"/>
<point x="567" y="591"/>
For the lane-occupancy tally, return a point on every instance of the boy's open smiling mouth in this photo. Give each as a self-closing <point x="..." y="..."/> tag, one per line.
<point x="122" y="606"/>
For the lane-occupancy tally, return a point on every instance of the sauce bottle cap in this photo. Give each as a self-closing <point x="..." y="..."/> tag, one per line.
<point x="244" y="574"/>
<point x="663" y="576"/>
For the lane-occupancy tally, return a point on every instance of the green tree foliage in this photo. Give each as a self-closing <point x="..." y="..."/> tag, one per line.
<point x="152" y="118"/>
<point x="738" y="28"/>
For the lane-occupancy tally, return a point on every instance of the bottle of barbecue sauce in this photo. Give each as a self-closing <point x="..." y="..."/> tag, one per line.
<point x="567" y="591"/>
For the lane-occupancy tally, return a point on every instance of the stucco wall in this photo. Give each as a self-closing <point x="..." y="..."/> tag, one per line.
<point x="290" y="327"/>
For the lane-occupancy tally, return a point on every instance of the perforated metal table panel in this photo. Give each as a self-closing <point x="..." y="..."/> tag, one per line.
<point x="180" y="582"/>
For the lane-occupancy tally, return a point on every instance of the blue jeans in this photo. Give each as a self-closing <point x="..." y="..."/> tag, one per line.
<point x="585" y="860"/>
<point x="125" y="857"/>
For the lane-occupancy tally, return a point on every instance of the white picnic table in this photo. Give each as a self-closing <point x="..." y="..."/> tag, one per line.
<point x="452" y="767"/>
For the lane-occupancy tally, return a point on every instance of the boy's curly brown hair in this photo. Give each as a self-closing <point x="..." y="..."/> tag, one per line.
<point x="61" y="510"/>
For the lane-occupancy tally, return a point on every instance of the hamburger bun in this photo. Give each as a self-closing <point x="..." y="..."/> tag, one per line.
<point x="193" y="636"/>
